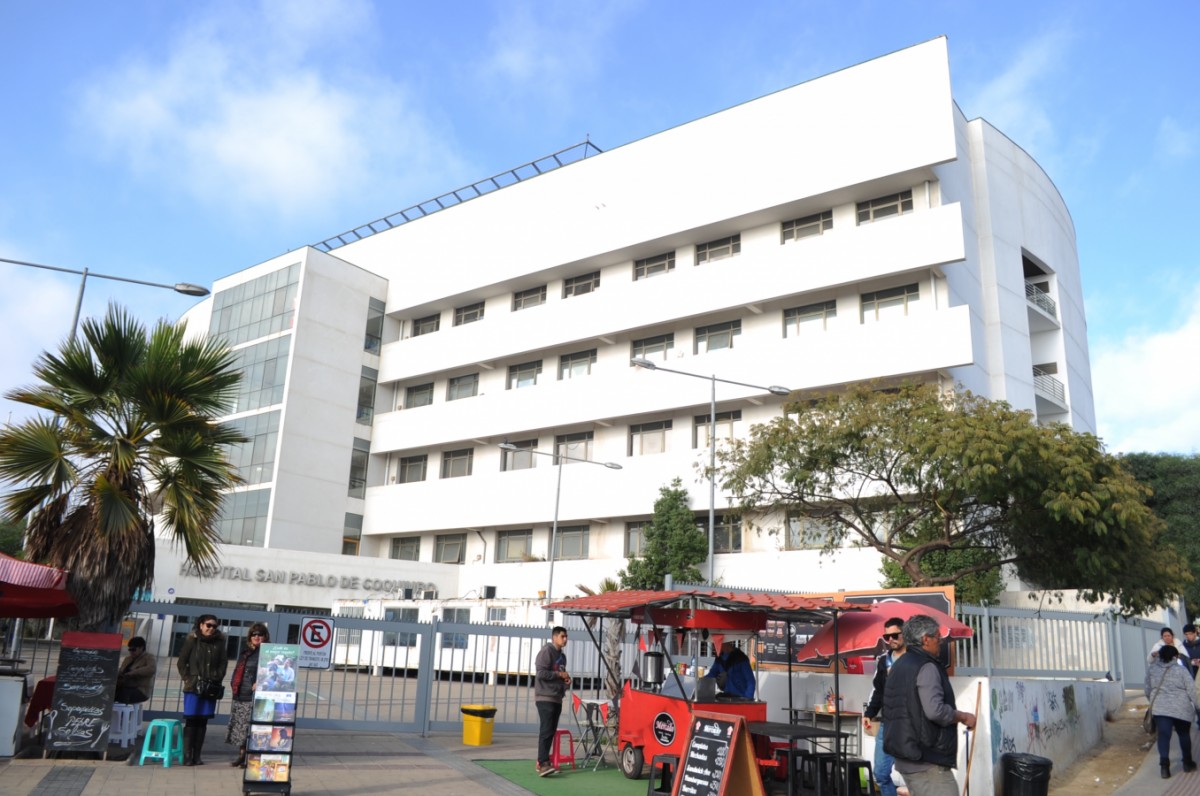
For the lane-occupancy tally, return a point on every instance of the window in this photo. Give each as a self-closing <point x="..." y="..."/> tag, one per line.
<point x="468" y="314"/>
<point x="519" y="459"/>
<point x="524" y="299"/>
<point x="653" y="347"/>
<point x="392" y="638"/>
<point x="891" y="303"/>
<point x="727" y="533"/>
<point x="450" y="548"/>
<point x="807" y="533"/>
<point x="725" y="421"/>
<point x="577" y="364"/>
<point x="807" y="227"/>
<point x="512" y="546"/>
<point x="358" y="468"/>
<point x="571" y="542"/>
<point x="374" y="332"/>
<point x="648" y="438"/>
<point x="457" y="464"/>
<point x="455" y="641"/>
<point x="497" y="615"/>
<point x="573" y="446"/>
<point x="463" y="387"/>
<point x="263" y="367"/>
<point x="412" y="469"/>
<point x="717" y="336"/>
<point x="635" y="538"/>
<point x="419" y="395"/>
<point x="718" y="249"/>
<point x="579" y="285"/>
<point x="255" y="458"/>
<point x="257" y="308"/>
<point x="426" y="325"/>
<point x="653" y="266"/>
<point x="243" y="519"/>
<point x="896" y="204"/>
<point x="810" y="317"/>
<point x="406" y="548"/>
<point x="525" y="375"/>
<point x="351" y="534"/>
<point x="353" y="636"/>
<point x="366" y="396"/>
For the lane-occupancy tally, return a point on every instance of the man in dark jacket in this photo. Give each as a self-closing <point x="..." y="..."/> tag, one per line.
<point x="549" y="687"/>
<point x="893" y="639"/>
<point x="732" y="671"/>
<point x="918" y="702"/>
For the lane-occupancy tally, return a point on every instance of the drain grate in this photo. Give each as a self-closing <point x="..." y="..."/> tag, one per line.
<point x="63" y="781"/>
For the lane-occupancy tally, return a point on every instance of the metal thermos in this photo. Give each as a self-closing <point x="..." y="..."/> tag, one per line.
<point x="652" y="668"/>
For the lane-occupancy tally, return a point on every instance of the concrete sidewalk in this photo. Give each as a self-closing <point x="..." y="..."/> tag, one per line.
<point x="341" y="763"/>
<point x="1147" y="781"/>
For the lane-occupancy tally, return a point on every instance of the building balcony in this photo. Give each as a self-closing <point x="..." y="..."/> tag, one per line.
<point x="1043" y="310"/>
<point x="1051" y="393"/>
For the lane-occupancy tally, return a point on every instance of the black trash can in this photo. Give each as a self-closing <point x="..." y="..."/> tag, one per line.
<point x="1026" y="775"/>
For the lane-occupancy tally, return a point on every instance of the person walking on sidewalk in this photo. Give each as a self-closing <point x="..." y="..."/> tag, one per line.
<point x="201" y="662"/>
<point x="893" y="640"/>
<point x="1173" y="705"/>
<point x="549" y="687"/>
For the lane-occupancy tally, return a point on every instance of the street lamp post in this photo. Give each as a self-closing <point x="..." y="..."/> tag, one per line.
<point x="186" y="288"/>
<point x="774" y="389"/>
<point x="508" y="446"/>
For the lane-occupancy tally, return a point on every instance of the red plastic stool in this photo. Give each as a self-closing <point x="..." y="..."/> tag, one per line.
<point x="557" y="758"/>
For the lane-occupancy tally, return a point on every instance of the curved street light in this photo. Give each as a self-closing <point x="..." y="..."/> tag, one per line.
<point x="561" y="457"/>
<point x="774" y="389"/>
<point x="186" y="288"/>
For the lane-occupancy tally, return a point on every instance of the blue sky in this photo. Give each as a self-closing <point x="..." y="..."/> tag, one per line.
<point x="184" y="142"/>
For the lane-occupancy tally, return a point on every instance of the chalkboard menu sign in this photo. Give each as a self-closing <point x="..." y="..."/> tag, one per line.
<point x="719" y="758"/>
<point x="81" y="710"/>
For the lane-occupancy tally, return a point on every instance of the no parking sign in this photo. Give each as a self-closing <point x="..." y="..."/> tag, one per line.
<point x="316" y="642"/>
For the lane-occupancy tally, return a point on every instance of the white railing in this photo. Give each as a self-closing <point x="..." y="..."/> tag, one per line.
<point x="1041" y="300"/>
<point x="1049" y="386"/>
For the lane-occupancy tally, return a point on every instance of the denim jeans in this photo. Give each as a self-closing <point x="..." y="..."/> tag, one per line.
<point x="1183" y="728"/>
<point x="883" y="765"/>
<point x="548" y="713"/>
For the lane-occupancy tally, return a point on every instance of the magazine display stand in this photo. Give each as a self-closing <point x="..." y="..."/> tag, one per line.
<point x="273" y="722"/>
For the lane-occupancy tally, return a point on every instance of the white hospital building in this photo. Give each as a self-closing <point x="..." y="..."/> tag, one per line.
<point x="851" y="228"/>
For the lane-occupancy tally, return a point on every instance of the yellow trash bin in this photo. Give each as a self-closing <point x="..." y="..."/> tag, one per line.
<point x="477" y="724"/>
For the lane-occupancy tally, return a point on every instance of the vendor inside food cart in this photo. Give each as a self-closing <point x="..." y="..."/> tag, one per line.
<point x="732" y="672"/>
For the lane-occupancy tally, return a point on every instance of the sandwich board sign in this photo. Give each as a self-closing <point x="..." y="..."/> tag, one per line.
<point x="316" y="642"/>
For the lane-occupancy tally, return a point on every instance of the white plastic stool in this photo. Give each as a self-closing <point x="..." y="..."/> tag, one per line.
<point x="126" y="721"/>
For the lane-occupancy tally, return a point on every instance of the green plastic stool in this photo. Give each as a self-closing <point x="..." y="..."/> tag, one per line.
<point x="164" y="741"/>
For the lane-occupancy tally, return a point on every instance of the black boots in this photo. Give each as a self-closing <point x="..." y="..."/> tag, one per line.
<point x="1189" y="766"/>
<point x="1165" y="768"/>
<point x="198" y="743"/>
<point x="240" y="762"/>
<point x="189" y="734"/>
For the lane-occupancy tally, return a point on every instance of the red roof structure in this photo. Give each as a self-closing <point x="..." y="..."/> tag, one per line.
<point x="624" y="604"/>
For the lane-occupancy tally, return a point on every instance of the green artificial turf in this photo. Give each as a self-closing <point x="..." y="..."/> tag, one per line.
<point x="607" y="781"/>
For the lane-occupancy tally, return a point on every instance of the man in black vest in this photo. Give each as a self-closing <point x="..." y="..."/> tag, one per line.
<point x="921" y="715"/>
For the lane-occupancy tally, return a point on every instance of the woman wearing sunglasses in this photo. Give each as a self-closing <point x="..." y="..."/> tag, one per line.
<point x="242" y="688"/>
<point x="201" y="663"/>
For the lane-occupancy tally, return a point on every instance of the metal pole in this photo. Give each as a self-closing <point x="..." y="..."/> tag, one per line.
<point x="79" y="303"/>
<point x="712" y="481"/>
<point x="554" y="534"/>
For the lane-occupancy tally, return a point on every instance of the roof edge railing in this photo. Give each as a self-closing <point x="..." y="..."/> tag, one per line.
<point x="526" y="171"/>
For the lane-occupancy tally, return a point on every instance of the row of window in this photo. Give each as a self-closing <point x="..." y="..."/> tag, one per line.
<point x="711" y="251"/>
<point x="875" y="306"/>
<point x="571" y="541"/>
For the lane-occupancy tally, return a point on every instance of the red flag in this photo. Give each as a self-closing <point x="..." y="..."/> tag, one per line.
<point x="575" y="701"/>
<point x="604" y="712"/>
<point x="642" y="642"/>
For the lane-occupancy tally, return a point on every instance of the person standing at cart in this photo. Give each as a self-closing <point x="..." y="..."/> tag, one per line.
<point x="733" y="672"/>
<point x="549" y="687"/>
<point x="893" y="639"/>
<point x="242" y="685"/>
<point x="201" y="663"/>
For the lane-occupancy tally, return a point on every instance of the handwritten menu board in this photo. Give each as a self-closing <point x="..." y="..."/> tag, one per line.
<point x="719" y="758"/>
<point x="269" y="745"/>
<point x="81" y="710"/>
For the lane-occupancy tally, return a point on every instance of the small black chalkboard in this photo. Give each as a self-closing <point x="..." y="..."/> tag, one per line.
<point x="81" y="711"/>
<point x="719" y="758"/>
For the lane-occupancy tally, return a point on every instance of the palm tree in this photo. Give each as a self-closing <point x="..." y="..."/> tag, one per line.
<point x="127" y="434"/>
<point x="610" y="645"/>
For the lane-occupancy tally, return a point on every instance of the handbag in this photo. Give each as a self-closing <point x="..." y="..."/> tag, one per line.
<point x="1148" y="723"/>
<point x="209" y="689"/>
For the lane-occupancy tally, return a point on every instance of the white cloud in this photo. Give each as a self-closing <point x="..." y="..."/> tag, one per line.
<point x="1174" y="142"/>
<point x="1147" y="389"/>
<point x="242" y="112"/>
<point x="1013" y="101"/>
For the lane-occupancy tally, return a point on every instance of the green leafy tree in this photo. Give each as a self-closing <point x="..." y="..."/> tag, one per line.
<point x="1175" y="481"/>
<point x="952" y="486"/>
<point x="127" y="434"/>
<point x="671" y="543"/>
<point x="10" y="537"/>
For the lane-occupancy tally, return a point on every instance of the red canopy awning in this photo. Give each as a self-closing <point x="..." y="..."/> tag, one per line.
<point x="623" y="604"/>
<point x="33" y="591"/>
<point x="26" y="573"/>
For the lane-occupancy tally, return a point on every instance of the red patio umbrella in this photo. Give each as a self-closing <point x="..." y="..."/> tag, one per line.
<point x="859" y="631"/>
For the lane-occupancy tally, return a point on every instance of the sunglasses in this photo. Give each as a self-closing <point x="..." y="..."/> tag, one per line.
<point x="257" y="635"/>
<point x="211" y="625"/>
<point x="891" y="636"/>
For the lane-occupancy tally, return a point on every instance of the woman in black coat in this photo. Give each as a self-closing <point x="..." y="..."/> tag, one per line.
<point x="202" y="659"/>
<point x="242" y="686"/>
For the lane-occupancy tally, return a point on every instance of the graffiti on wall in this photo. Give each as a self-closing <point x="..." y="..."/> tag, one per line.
<point x="1032" y="717"/>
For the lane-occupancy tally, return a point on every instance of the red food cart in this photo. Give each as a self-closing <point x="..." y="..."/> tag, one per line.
<point x="654" y="711"/>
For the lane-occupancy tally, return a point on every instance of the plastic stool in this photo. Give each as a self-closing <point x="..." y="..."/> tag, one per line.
<point x="811" y="767"/>
<point x="164" y="741"/>
<point x="667" y="765"/>
<point x="852" y="782"/>
<point x="126" y="721"/>
<point x="557" y="758"/>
